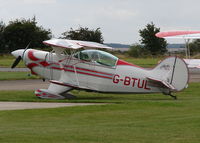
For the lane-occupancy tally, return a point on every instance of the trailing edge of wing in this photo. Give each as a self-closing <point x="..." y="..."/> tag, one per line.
<point x="179" y="34"/>
<point x="74" y="44"/>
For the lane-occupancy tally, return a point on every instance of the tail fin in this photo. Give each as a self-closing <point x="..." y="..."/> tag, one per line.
<point x="172" y="73"/>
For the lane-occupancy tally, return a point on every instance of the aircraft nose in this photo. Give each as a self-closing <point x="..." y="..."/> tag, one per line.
<point x="18" y="53"/>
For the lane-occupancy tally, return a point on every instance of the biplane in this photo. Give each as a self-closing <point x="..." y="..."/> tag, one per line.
<point x="83" y="65"/>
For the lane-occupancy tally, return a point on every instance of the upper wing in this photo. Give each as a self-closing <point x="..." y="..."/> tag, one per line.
<point x="179" y="34"/>
<point x="74" y="44"/>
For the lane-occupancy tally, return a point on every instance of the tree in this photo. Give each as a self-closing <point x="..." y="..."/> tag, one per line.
<point x="137" y="50"/>
<point x="2" y="27"/>
<point x="194" y="47"/>
<point x="134" y="50"/>
<point x="19" y="33"/>
<point x="152" y="43"/>
<point x="84" y="34"/>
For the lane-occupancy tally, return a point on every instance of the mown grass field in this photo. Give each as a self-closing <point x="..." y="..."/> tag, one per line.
<point x="144" y="62"/>
<point x="127" y="118"/>
<point x="130" y="118"/>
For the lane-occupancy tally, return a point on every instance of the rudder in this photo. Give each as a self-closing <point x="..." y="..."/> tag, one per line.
<point x="171" y="72"/>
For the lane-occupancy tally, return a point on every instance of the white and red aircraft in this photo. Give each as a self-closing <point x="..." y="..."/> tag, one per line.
<point x="94" y="70"/>
<point x="193" y="64"/>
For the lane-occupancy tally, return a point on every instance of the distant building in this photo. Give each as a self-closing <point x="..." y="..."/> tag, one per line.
<point x="119" y="47"/>
<point x="176" y="48"/>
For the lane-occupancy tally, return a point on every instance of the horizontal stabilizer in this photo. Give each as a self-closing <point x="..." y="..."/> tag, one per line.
<point x="162" y="82"/>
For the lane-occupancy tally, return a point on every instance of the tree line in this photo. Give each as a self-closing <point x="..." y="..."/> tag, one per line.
<point x="19" y="33"/>
<point x="150" y="45"/>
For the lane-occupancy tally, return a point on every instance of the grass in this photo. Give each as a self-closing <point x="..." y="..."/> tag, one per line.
<point x="7" y="61"/>
<point x="16" y="75"/>
<point x="143" y="62"/>
<point x="152" y="118"/>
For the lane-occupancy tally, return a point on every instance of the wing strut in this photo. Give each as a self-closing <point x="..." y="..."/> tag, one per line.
<point x="76" y="75"/>
<point x="74" y="66"/>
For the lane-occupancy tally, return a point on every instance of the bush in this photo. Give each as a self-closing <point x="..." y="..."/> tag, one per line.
<point x="138" y="51"/>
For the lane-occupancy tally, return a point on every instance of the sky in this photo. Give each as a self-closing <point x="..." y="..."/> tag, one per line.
<point x="119" y="20"/>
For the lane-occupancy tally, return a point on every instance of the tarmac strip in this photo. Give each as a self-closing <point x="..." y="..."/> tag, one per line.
<point x="38" y="105"/>
<point x="29" y="84"/>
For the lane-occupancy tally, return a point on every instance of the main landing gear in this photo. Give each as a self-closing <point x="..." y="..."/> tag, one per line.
<point x="69" y="96"/>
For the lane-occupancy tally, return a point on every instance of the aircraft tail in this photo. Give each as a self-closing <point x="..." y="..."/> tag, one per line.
<point x="171" y="73"/>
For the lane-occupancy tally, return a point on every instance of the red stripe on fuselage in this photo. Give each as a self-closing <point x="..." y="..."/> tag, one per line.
<point x="72" y="70"/>
<point x="124" y="63"/>
<point x="89" y="70"/>
<point x="88" y="74"/>
<point x="44" y="63"/>
<point x="31" y="56"/>
<point x="31" y="65"/>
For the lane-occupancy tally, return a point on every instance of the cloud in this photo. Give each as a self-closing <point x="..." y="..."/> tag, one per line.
<point x="119" y="14"/>
<point x="119" y="20"/>
<point x="39" y="1"/>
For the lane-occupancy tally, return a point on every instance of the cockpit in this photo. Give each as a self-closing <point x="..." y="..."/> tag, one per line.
<point x="98" y="57"/>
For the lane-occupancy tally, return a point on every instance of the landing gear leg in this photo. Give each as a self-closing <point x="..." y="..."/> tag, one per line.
<point x="69" y="96"/>
<point x="173" y="96"/>
<point x="169" y="93"/>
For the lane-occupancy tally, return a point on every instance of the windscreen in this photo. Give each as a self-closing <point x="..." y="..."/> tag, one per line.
<point x="100" y="57"/>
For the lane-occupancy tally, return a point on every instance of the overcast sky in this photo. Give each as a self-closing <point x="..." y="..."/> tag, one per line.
<point x="119" y="20"/>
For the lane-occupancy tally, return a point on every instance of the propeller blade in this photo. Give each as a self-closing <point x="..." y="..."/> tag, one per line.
<point x="26" y="49"/>
<point x="16" y="62"/>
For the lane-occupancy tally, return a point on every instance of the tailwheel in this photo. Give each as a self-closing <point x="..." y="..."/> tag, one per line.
<point x="169" y="93"/>
<point x="173" y="96"/>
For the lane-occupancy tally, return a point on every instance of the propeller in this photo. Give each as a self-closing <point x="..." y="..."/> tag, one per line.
<point x="20" y="57"/>
<point x="16" y="62"/>
<point x="26" y="49"/>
